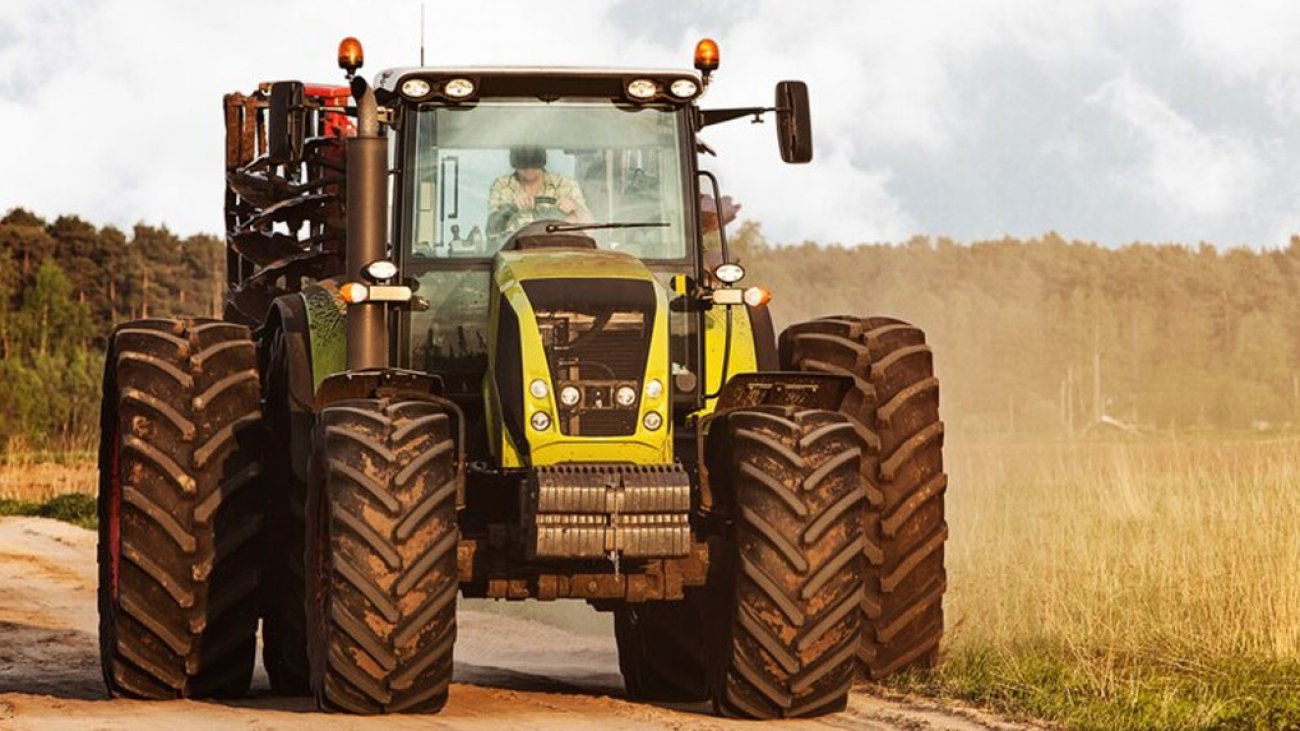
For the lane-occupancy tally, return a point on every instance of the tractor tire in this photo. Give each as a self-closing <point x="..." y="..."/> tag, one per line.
<point x="180" y="512"/>
<point x="791" y="570"/>
<point x="284" y="617"/>
<point x="381" y="561"/>
<point x="661" y="650"/>
<point x="895" y="405"/>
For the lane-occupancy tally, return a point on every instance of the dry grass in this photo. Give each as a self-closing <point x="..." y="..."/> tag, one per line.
<point x="1137" y="584"/>
<point x="37" y="477"/>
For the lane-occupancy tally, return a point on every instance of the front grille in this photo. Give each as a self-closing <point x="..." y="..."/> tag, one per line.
<point x="605" y="423"/>
<point x="596" y="334"/>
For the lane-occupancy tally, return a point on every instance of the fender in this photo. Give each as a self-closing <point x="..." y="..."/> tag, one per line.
<point x="327" y="321"/>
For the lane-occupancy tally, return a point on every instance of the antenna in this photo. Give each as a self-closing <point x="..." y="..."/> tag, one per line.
<point x="422" y="33"/>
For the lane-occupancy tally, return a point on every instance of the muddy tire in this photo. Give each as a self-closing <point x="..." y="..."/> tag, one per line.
<point x="791" y="571"/>
<point x="381" y="562"/>
<point x="180" y="513"/>
<point x="284" y="618"/>
<point x="895" y="405"/>
<point x="661" y="651"/>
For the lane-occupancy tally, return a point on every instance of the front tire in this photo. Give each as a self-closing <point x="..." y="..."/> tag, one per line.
<point x="179" y="510"/>
<point x="381" y="559"/>
<point x="791" y="574"/>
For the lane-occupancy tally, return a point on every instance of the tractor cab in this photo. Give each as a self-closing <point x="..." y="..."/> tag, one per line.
<point x="568" y="157"/>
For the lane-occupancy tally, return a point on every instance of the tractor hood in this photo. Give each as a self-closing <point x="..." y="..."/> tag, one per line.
<point x="516" y="266"/>
<point x="578" y="368"/>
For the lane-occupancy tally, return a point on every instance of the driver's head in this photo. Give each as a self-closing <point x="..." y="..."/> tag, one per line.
<point x="527" y="157"/>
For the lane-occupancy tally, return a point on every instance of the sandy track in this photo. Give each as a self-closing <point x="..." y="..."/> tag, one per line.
<point x="511" y="672"/>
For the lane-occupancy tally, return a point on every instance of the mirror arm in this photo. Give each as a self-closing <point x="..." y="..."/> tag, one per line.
<point x="714" y="116"/>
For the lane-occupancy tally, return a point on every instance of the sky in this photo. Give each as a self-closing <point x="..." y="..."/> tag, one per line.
<point x="1103" y="121"/>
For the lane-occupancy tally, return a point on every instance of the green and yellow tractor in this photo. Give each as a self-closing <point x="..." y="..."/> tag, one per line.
<point x="484" y="336"/>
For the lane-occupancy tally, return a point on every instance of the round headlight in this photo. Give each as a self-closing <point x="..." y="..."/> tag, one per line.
<point x="653" y="420"/>
<point x="458" y="88"/>
<point x="654" y="389"/>
<point x="538" y="388"/>
<point x="415" y="88"/>
<point x="684" y="88"/>
<point x="570" y="395"/>
<point x="540" y="420"/>
<point x="729" y="273"/>
<point x="381" y="270"/>
<point x="625" y="396"/>
<point x="641" y="88"/>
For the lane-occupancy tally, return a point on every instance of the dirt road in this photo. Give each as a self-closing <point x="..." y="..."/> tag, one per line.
<point x="511" y="672"/>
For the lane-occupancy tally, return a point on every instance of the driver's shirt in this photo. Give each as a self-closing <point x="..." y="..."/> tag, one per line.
<point x="507" y="189"/>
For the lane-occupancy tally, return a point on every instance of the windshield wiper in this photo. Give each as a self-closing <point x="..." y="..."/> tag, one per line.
<point x="554" y="227"/>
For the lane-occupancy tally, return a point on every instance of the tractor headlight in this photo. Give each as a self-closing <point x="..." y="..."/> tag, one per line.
<point x="415" y="88"/>
<point x="458" y="88"/>
<point x="641" y="88"/>
<point x="654" y="389"/>
<point x="538" y="388"/>
<point x="653" y="420"/>
<point x="570" y="395"/>
<point x="729" y="273"/>
<point x="540" y="420"/>
<point x="381" y="270"/>
<point x="625" y="396"/>
<point x="684" y="88"/>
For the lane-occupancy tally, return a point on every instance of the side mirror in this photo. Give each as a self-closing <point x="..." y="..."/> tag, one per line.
<point x="793" y="123"/>
<point x="286" y="122"/>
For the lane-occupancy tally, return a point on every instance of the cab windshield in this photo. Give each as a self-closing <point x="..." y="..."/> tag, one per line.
<point x="483" y="172"/>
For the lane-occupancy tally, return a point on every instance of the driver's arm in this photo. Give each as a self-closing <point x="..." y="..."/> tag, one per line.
<point x="501" y="205"/>
<point x="573" y="202"/>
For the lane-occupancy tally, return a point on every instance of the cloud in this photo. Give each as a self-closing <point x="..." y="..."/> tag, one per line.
<point x="1174" y="164"/>
<point x="936" y="116"/>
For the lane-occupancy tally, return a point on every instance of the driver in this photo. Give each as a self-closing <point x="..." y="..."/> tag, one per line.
<point x="533" y="194"/>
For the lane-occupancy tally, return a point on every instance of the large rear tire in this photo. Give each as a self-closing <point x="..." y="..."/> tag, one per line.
<point x="790" y="579"/>
<point x="895" y="404"/>
<point x="381" y="560"/>
<point x="179" y="510"/>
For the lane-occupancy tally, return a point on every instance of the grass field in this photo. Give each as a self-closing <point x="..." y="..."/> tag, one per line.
<point x="1149" y="584"/>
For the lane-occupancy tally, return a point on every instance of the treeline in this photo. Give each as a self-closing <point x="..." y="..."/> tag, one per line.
<point x="1066" y="337"/>
<point x="1044" y="336"/>
<point x="63" y="286"/>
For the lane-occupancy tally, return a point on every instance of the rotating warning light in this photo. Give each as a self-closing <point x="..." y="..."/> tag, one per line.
<point x="350" y="55"/>
<point x="706" y="56"/>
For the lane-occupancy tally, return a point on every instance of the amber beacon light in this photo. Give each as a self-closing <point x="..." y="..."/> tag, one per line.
<point x="350" y="55"/>
<point x="706" y="56"/>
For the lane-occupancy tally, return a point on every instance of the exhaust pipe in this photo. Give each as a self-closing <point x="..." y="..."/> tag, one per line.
<point x="367" y="209"/>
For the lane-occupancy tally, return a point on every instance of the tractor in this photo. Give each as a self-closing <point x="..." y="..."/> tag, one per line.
<point x="483" y="335"/>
